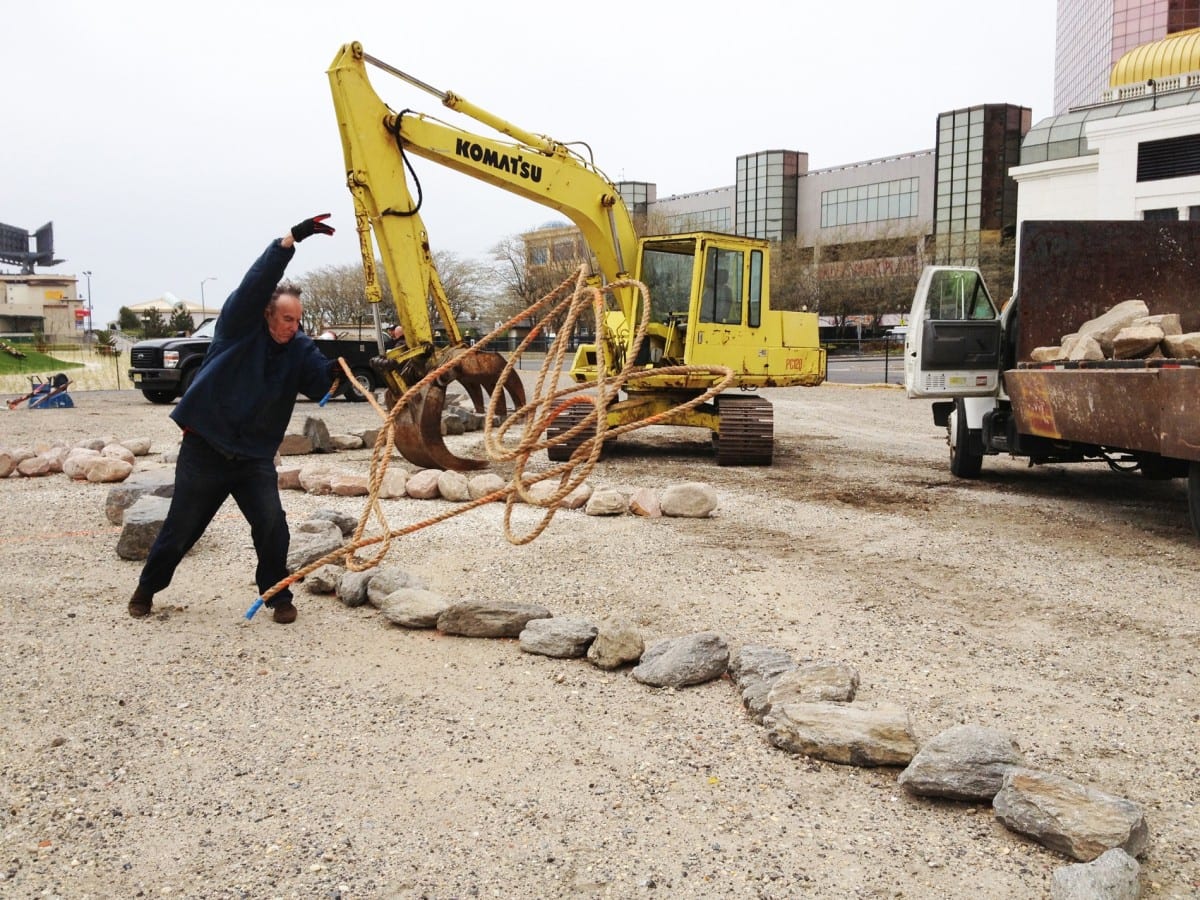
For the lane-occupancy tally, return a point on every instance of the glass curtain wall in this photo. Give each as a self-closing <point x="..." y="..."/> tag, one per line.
<point x="767" y="185"/>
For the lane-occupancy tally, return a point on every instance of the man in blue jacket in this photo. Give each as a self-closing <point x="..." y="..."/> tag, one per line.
<point x="234" y="417"/>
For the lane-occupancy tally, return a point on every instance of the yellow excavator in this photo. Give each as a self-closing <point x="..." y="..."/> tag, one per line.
<point x="709" y="292"/>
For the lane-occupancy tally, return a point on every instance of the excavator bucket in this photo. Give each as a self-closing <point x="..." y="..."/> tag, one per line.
<point x="418" y="427"/>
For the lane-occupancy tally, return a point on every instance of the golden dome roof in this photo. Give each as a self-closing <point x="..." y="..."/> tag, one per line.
<point x="1173" y="55"/>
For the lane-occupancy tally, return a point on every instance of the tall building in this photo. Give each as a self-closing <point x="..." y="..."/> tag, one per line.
<point x="976" y="200"/>
<point x="1092" y="35"/>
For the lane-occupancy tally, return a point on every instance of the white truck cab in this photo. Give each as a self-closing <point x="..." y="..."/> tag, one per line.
<point x="952" y="353"/>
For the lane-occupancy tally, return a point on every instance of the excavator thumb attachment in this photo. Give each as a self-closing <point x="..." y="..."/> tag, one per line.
<point x="418" y="427"/>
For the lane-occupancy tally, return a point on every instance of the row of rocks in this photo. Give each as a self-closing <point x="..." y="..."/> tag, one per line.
<point x="140" y="504"/>
<point x="98" y="460"/>
<point x="688" y="500"/>
<point x="1126" y="331"/>
<point x="807" y="707"/>
<point x="315" y="437"/>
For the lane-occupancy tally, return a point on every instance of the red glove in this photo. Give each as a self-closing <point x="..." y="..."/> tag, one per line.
<point x="309" y="227"/>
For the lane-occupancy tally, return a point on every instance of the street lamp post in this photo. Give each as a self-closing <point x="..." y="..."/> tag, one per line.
<point x="88" y="275"/>
<point x="203" y="307"/>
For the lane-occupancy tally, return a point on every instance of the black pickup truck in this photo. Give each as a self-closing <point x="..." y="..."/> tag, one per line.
<point x="163" y="368"/>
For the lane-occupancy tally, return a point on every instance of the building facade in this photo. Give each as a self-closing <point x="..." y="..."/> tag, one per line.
<point x="852" y="235"/>
<point x="1092" y="35"/>
<point x="975" y="199"/>
<point x="1135" y="156"/>
<point x="49" y="304"/>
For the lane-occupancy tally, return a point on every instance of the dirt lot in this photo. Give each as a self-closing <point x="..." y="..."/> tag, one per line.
<point x="195" y="754"/>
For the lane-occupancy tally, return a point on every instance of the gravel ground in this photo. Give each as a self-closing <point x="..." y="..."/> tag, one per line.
<point x="195" y="754"/>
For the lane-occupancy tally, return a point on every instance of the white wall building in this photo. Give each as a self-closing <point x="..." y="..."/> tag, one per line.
<point x="1136" y="156"/>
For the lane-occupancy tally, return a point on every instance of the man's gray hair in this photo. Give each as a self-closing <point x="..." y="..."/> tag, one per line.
<point x="284" y="287"/>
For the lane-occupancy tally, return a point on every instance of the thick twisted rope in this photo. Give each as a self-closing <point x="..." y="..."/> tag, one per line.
<point x="572" y="298"/>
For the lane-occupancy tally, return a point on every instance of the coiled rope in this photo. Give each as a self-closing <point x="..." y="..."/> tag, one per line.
<point x="572" y="298"/>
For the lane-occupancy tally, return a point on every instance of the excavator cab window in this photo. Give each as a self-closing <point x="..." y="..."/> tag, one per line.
<point x="756" y="266"/>
<point x="667" y="274"/>
<point x="721" y="297"/>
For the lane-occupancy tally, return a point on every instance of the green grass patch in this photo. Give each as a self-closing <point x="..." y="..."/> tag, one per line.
<point x="33" y="363"/>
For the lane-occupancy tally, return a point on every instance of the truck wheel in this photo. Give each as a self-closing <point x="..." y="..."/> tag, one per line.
<point x="186" y="381"/>
<point x="965" y="460"/>
<point x="1193" y="497"/>
<point x="159" y="396"/>
<point x="365" y="381"/>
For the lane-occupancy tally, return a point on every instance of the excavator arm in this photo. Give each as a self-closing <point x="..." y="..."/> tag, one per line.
<point x="375" y="141"/>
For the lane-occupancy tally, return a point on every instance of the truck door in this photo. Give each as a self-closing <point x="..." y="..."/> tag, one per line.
<point x="952" y="347"/>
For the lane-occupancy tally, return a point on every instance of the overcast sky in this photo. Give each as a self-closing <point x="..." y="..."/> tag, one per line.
<point x="170" y="142"/>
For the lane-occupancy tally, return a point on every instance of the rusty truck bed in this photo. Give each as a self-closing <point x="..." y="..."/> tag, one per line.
<point x="1070" y="272"/>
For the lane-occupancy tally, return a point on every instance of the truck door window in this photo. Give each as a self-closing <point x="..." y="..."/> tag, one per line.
<point x="956" y="295"/>
<point x="721" y="299"/>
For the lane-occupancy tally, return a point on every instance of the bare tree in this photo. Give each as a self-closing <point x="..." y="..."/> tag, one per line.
<point x="337" y="295"/>
<point x="470" y="286"/>
<point x="522" y="283"/>
<point x="334" y="295"/>
<point x="842" y="276"/>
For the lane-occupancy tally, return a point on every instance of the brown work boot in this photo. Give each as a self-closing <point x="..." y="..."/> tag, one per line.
<point x="141" y="603"/>
<point x="284" y="612"/>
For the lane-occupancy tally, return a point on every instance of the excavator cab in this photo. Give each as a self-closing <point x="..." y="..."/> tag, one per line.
<point x="709" y="307"/>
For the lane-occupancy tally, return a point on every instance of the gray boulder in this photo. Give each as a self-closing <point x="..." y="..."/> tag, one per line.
<point x="120" y="497"/>
<point x="318" y="432"/>
<point x="141" y="523"/>
<point x="1113" y="875"/>
<point x="562" y="638"/>
<point x="693" y="500"/>
<point x="830" y="682"/>
<point x="388" y="580"/>
<point x="307" y="547"/>
<point x="345" y="523"/>
<point x="1070" y="818"/>
<point x="324" y="580"/>
<point x="844" y="733"/>
<point x="352" y="586"/>
<point x="966" y="762"/>
<point x="683" y="661"/>
<point x="756" y="662"/>
<point x="412" y="607"/>
<point x="489" y="618"/>
<point x="617" y="643"/>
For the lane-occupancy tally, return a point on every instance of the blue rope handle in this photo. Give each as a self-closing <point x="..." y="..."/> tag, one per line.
<point x="333" y="387"/>
<point x="254" y="607"/>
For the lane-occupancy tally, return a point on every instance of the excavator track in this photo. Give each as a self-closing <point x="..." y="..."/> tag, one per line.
<point x="747" y="436"/>
<point x="563" y="422"/>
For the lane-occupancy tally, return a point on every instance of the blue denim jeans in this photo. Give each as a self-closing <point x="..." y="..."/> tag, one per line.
<point x="204" y="477"/>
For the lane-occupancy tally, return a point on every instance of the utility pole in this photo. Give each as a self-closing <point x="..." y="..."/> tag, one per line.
<point x="88" y="275"/>
<point x="203" y="307"/>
